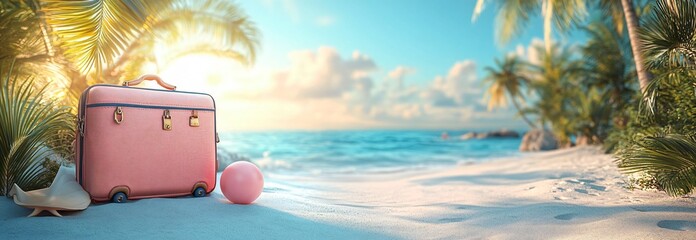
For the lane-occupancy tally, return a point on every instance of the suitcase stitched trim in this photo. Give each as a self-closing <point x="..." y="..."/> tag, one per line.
<point x="146" y="106"/>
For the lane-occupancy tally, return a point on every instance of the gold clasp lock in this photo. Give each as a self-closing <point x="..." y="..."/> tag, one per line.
<point x="118" y="115"/>
<point x="166" y="121"/>
<point x="193" y="120"/>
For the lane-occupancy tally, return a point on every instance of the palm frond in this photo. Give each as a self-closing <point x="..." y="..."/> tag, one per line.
<point x="507" y="80"/>
<point x="225" y="26"/>
<point x="17" y="25"/>
<point x="555" y="82"/>
<point x="568" y="13"/>
<point x="220" y="28"/>
<point x="675" y="78"/>
<point x="98" y="31"/>
<point x="608" y="64"/>
<point x="29" y="123"/>
<point x="668" y="35"/>
<point x="513" y="16"/>
<point x="480" y="4"/>
<point x="671" y="159"/>
<point x="613" y="10"/>
<point x="23" y="42"/>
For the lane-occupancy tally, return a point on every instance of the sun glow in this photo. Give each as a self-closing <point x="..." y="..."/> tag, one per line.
<point x="202" y="73"/>
<point x="231" y="84"/>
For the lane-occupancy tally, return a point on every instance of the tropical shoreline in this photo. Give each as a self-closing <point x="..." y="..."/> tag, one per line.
<point x="574" y="193"/>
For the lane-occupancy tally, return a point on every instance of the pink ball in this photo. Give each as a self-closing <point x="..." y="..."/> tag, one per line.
<point x="241" y="182"/>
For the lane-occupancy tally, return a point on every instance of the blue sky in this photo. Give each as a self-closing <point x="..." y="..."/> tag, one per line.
<point x="428" y="35"/>
<point x="365" y="65"/>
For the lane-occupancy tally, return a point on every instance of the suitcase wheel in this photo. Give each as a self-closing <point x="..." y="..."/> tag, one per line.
<point x="199" y="192"/>
<point x="119" y="197"/>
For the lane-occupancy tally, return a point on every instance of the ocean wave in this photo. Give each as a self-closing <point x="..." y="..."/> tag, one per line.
<point x="266" y="162"/>
<point x="357" y="151"/>
<point x="226" y="157"/>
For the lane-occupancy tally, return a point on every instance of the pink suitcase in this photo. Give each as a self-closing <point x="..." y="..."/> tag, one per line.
<point x="140" y="143"/>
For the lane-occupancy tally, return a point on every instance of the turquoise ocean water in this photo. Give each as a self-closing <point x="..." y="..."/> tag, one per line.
<point x="361" y="151"/>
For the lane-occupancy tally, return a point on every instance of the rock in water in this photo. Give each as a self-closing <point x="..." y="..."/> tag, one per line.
<point x="503" y="133"/>
<point x="538" y="140"/>
<point x="469" y="135"/>
<point x="483" y="135"/>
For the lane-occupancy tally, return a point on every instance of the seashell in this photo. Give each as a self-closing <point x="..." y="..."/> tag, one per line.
<point x="64" y="194"/>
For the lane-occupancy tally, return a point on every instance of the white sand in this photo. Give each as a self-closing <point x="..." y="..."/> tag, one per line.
<point x="567" y="194"/>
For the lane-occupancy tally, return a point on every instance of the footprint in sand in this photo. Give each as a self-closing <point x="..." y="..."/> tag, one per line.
<point x="581" y="191"/>
<point x="566" y="217"/>
<point x="677" y="225"/>
<point x="597" y="187"/>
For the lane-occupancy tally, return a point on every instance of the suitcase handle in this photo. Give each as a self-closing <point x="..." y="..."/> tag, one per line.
<point x="150" y="77"/>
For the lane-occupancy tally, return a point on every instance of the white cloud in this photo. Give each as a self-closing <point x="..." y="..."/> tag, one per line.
<point x="399" y="73"/>
<point x="459" y="87"/>
<point x="324" y="74"/>
<point x="451" y="100"/>
<point x="321" y="89"/>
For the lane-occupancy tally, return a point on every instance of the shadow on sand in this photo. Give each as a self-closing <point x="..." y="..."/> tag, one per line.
<point x="168" y="218"/>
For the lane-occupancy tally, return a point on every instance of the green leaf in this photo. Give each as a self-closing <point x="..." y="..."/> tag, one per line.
<point x="670" y="158"/>
<point x="98" y="32"/>
<point x="30" y="123"/>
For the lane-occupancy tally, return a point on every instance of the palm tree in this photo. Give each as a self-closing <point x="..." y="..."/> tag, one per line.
<point x="633" y="22"/>
<point x="664" y="146"/>
<point x="506" y="81"/>
<point x="94" y="41"/>
<point x="513" y="15"/>
<point x="591" y="116"/>
<point x="30" y="123"/>
<point x="608" y="79"/>
<point x="669" y="42"/>
<point x="555" y="83"/>
<point x="608" y="66"/>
